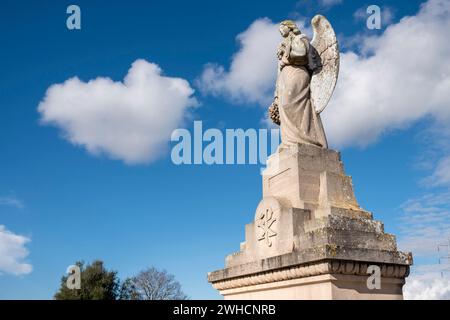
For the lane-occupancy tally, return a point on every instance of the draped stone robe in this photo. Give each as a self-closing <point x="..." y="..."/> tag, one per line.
<point x="299" y="122"/>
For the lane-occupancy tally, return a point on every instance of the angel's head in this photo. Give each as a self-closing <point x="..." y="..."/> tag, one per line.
<point x="288" y="26"/>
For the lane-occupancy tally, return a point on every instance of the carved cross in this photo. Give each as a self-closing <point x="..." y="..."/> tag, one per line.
<point x="265" y="222"/>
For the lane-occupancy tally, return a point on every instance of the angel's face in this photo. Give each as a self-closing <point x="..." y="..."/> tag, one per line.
<point x="284" y="30"/>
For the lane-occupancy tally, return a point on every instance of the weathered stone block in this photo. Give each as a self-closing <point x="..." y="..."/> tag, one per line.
<point x="310" y="238"/>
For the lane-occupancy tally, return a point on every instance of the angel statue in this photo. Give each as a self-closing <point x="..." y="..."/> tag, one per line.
<point x="307" y="75"/>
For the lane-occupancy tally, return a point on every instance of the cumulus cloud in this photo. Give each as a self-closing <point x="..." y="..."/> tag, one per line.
<point x="130" y="120"/>
<point x="252" y="73"/>
<point x="427" y="288"/>
<point x="427" y="283"/>
<point x="395" y="79"/>
<point x="13" y="253"/>
<point x="400" y="77"/>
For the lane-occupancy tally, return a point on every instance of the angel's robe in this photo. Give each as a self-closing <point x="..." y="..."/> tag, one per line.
<point x="299" y="122"/>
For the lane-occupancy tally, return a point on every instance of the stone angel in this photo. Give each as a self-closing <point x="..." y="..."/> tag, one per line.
<point x="307" y="75"/>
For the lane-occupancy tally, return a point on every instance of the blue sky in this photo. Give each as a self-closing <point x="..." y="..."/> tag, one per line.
<point x="73" y="203"/>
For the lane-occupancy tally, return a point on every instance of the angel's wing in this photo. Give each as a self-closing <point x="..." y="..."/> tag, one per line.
<point x="326" y="70"/>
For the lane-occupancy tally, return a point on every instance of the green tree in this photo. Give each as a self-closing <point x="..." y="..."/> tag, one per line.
<point x="128" y="290"/>
<point x="97" y="283"/>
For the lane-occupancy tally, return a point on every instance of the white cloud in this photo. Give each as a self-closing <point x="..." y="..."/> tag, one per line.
<point x="441" y="174"/>
<point x="252" y="73"/>
<point x="401" y="77"/>
<point x="11" y="201"/>
<point x="13" y="252"/>
<point x="398" y="78"/>
<point x="424" y="223"/>
<point x="434" y="156"/>
<point x="387" y="15"/>
<point x="424" y="288"/>
<point x="329" y="3"/>
<point x="360" y="14"/>
<point x="426" y="283"/>
<point x="130" y="120"/>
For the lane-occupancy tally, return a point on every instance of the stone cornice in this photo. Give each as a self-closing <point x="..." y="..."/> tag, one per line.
<point x="315" y="269"/>
<point x="311" y="256"/>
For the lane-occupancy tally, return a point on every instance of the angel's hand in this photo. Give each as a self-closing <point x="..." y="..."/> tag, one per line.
<point x="298" y="48"/>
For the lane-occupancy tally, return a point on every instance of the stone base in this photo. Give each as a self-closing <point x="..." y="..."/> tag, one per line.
<point x="310" y="239"/>
<point x="322" y="287"/>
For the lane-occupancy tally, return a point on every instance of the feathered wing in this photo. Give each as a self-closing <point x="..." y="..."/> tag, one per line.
<point x="325" y="60"/>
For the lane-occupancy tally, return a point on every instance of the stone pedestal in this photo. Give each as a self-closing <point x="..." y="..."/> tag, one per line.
<point x="310" y="239"/>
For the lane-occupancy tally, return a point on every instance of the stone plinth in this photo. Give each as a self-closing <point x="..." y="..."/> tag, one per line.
<point x="321" y="287"/>
<point x="310" y="239"/>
